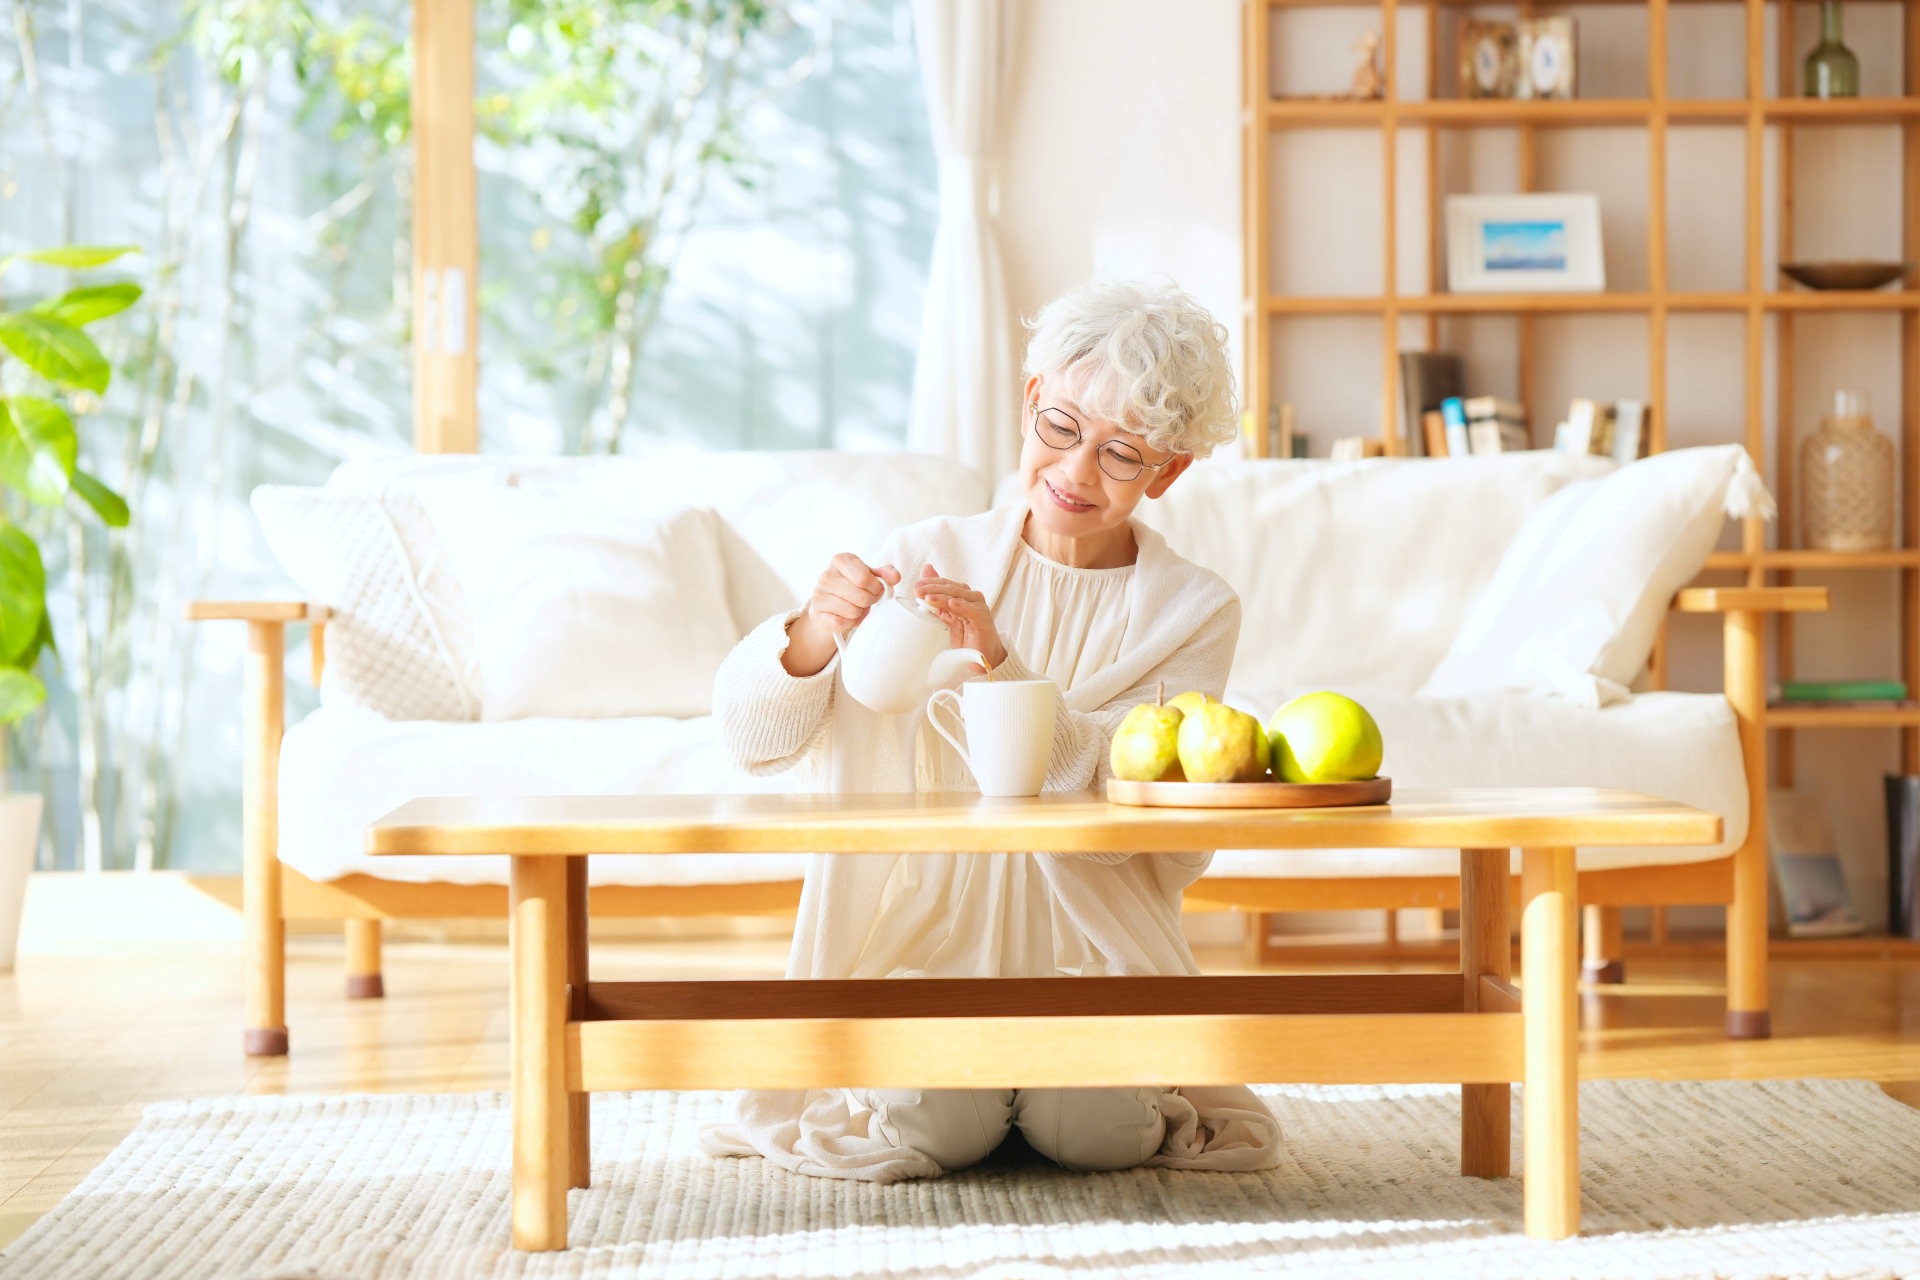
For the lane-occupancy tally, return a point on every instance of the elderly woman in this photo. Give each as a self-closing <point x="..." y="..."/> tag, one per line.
<point x="1127" y="384"/>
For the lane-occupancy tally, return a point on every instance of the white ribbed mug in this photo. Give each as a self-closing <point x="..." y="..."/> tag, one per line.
<point x="1006" y="732"/>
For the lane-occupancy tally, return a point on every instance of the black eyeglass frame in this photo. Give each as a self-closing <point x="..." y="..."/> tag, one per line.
<point x="1101" y="455"/>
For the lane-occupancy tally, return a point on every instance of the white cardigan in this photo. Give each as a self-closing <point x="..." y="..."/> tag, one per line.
<point x="1181" y="631"/>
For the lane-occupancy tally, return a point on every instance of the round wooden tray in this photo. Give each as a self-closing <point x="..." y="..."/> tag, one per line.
<point x="1249" y="795"/>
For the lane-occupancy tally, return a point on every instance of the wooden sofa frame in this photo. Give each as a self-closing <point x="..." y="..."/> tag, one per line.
<point x="273" y="894"/>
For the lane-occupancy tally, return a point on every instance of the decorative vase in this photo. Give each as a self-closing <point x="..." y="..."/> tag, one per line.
<point x="1832" y="71"/>
<point x="19" y="841"/>
<point x="1846" y="470"/>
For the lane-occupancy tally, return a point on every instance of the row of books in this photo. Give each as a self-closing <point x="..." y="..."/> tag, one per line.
<point x="1617" y="430"/>
<point x="1442" y="421"/>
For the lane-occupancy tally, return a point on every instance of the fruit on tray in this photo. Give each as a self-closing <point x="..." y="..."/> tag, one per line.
<point x="1146" y="746"/>
<point x="1220" y="744"/>
<point x="1324" y="737"/>
<point x="1188" y="703"/>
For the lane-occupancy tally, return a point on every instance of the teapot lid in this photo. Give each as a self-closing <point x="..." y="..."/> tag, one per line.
<point x="919" y="609"/>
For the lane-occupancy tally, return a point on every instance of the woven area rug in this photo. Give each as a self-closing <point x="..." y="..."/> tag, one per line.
<point x="1810" y="1178"/>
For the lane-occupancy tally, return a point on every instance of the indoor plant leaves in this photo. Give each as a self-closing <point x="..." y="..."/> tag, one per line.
<point x="23" y="596"/>
<point x="95" y="302"/>
<point x="107" y="504"/>
<point x="55" y="350"/>
<point x="37" y="448"/>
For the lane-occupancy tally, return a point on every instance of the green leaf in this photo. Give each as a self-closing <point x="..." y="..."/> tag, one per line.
<point x="23" y="595"/>
<point x="84" y="306"/>
<point x="107" y="504"/>
<point x="37" y="449"/>
<point x="77" y="256"/>
<point x="20" y="693"/>
<point x="55" y="350"/>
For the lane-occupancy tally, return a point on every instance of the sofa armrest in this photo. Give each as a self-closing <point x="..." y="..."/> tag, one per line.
<point x="1752" y="600"/>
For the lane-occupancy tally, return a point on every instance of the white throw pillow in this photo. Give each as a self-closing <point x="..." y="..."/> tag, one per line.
<point x="1577" y="600"/>
<point x="580" y="610"/>
<point x="399" y="628"/>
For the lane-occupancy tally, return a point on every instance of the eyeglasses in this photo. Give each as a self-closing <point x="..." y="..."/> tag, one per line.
<point x="1057" y="429"/>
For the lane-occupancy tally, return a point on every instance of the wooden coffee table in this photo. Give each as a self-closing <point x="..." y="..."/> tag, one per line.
<point x="1475" y="1028"/>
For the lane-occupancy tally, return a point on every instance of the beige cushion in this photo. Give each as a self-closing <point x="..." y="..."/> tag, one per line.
<point x="1355" y="572"/>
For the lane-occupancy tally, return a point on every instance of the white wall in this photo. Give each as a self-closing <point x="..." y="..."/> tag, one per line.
<point x="1122" y="155"/>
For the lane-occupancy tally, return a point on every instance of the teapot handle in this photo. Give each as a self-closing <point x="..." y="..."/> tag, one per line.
<point x="950" y="665"/>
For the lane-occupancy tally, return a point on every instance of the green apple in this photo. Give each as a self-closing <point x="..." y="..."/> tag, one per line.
<point x="1324" y="737"/>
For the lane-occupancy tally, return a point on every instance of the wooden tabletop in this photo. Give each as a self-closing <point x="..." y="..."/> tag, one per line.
<point x="1058" y="822"/>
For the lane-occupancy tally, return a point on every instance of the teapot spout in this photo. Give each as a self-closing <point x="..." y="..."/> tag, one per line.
<point x="951" y="665"/>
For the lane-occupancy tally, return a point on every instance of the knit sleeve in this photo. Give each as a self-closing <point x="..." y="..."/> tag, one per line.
<point x="769" y="720"/>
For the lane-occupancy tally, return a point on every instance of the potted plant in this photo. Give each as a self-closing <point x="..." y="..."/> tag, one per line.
<point x="54" y="361"/>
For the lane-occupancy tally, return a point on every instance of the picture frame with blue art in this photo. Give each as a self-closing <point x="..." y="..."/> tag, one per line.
<point x="1539" y="243"/>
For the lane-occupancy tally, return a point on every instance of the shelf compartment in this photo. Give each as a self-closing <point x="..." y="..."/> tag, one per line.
<point x="1448" y="303"/>
<point x="1780" y="716"/>
<point x="1364" y="304"/>
<point x="1572" y="113"/>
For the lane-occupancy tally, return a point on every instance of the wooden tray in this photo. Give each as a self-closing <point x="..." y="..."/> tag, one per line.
<point x="1249" y="795"/>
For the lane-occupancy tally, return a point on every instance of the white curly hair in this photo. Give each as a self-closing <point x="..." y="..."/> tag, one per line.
<point x="1142" y="354"/>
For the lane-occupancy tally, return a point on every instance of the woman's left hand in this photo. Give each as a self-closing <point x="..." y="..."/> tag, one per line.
<point x="964" y="610"/>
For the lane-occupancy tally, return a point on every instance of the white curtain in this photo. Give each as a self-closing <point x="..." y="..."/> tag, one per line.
<point x="964" y="395"/>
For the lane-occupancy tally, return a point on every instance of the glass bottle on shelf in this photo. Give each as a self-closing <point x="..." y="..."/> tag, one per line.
<point x="1832" y="70"/>
<point x="1846" y="470"/>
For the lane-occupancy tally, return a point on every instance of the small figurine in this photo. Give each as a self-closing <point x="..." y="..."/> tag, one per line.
<point x="1366" y="76"/>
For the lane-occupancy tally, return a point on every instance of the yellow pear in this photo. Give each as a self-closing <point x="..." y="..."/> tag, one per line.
<point x="1324" y="737"/>
<point x="1220" y="744"/>
<point x="1147" y="743"/>
<point x="1188" y="703"/>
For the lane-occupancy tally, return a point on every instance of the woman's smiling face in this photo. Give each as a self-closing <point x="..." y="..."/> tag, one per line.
<point x="1068" y="492"/>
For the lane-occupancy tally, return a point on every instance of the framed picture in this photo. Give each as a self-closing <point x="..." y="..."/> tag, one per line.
<point x="1489" y="58"/>
<point x="1813" y="897"/>
<point x="1545" y="58"/>
<point x="1524" y="244"/>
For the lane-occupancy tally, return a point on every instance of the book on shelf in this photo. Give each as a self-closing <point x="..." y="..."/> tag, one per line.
<point x="1495" y="425"/>
<point x="1890" y="692"/>
<point x="1453" y="413"/>
<point x="1427" y="378"/>
<point x="1434" y="428"/>
<point x="1617" y="431"/>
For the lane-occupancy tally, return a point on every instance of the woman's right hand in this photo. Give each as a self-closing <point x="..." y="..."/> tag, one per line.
<point x="841" y="598"/>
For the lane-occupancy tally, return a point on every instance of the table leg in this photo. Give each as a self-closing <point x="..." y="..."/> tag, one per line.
<point x="1549" y="965"/>
<point x="537" y="930"/>
<point x="579" y="1105"/>
<point x="1486" y="948"/>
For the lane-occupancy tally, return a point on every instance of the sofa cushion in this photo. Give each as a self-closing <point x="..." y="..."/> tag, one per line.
<point x="1580" y="594"/>
<point x="1354" y="572"/>
<point x="400" y="639"/>
<point x="340" y="770"/>
<point x="403" y="644"/>
<point x="1683" y="747"/>
<point x="583" y="609"/>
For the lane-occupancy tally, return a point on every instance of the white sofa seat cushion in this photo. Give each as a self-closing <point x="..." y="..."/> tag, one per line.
<point x="340" y="770"/>
<point x="1683" y="747"/>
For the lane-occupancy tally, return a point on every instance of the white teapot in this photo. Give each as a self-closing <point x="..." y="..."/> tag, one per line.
<point x="898" y="656"/>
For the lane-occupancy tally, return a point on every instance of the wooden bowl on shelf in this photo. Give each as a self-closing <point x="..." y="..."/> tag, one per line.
<point x="1845" y="275"/>
<point x="1249" y="795"/>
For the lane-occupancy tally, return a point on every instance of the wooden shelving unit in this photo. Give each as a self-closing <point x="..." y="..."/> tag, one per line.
<point x="1763" y="301"/>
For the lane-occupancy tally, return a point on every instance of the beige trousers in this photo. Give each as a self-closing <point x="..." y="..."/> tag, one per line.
<point x="1085" y="1130"/>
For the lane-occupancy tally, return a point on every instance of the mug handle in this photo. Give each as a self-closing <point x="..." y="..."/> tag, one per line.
<point x="948" y="700"/>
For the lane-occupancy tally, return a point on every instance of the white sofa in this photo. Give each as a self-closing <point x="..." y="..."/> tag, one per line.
<point x="1353" y="576"/>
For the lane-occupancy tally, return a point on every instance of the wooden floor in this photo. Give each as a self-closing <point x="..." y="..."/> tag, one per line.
<point x="131" y="1002"/>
